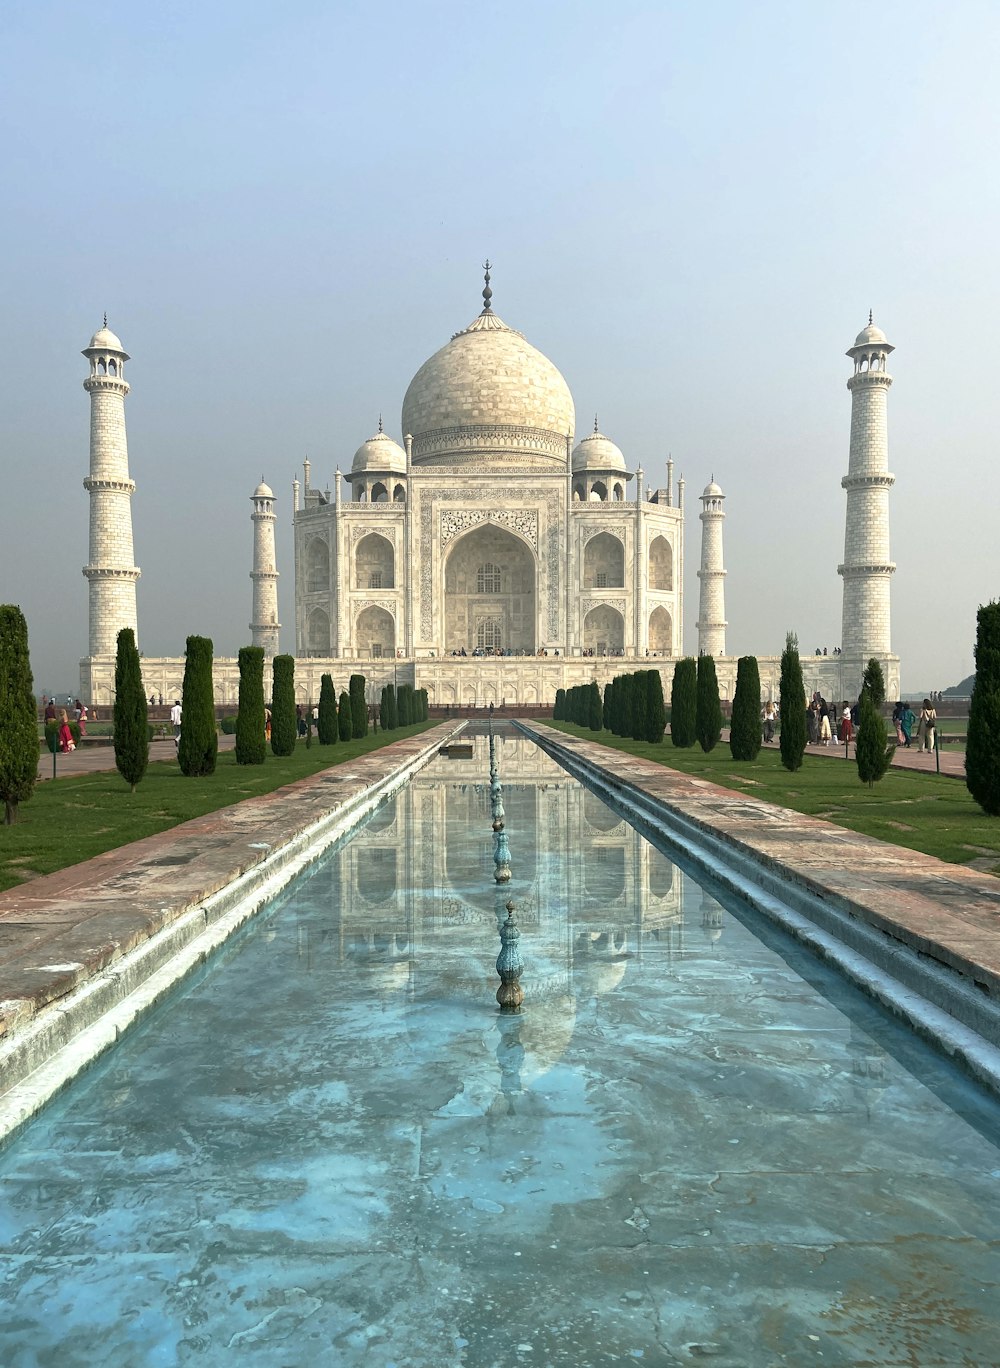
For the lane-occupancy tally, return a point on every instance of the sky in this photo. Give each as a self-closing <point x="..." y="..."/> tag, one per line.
<point x="690" y="209"/>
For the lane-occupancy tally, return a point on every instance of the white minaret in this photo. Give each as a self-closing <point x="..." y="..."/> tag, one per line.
<point x="265" y="625"/>
<point x="867" y="568"/>
<point x="111" y="573"/>
<point x="711" y="622"/>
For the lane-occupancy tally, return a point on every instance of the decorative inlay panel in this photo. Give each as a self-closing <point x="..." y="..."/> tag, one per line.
<point x="523" y="521"/>
<point x="358" y="532"/>
<point x="614" y="529"/>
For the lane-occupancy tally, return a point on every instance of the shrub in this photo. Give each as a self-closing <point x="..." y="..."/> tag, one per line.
<point x="199" y="743"/>
<point x="359" y="708"/>
<point x="656" y="713"/>
<point x="872" y="748"/>
<point x="873" y="683"/>
<point x="684" y="703"/>
<point x="326" y="725"/>
<point x="284" y="723"/>
<point x="559" y="709"/>
<point x="745" y="729"/>
<point x="595" y="719"/>
<point x="708" y="710"/>
<point x="18" y="714"/>
<point x="792" y="706"/>
<point x="982" y="745"/>
<point x="227" y="725"/>
<point x="345" y="725"/>
<point x="251" y="724"/>
<point x="131" y="726"/>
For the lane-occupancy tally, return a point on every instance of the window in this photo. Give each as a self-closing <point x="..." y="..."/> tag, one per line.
<point x="488" y="579"/>
<point x="488" y="635"/>
<point x="375" y="579"/>
<point x="602" y="579"/>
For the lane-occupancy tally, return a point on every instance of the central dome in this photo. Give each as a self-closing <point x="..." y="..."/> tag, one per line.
<point x="488" y="391"/>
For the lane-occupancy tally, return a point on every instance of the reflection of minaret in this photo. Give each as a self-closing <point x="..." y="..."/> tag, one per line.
<point x="110" y="572"/>
<point x="265" y="625"/>
<point x="712" y="603"/>
<point x="867" y="569"/>
<point x="711" y="917"/>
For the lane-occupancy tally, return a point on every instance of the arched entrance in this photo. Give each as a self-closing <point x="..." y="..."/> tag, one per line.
<point x="375" y="634"/>
<point x="604" y="630"/>
<point x="660" y="631"/>
<point x="374" y="563"/>
<point x="604" y="562"/>
<point x="489" y="593"/>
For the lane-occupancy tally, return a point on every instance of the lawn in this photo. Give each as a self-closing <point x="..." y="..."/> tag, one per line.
<point x="76" y="818"/>
<point x="926" y="812"/>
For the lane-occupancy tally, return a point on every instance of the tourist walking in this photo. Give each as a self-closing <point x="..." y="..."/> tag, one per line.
<point x="770" y="717"/>
<point x="66" y="742"/>
<point x="175" y="722"/>
<point x="907" y="722"/>
<point x="846" y="726"/>
<point x="825" y="734"/>
<point x="927" y="725"/>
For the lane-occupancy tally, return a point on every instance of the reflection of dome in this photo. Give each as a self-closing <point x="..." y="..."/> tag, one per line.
<point x="598" y="974"/>
<point x="597" y="452"/>
<point x="488" y="390"/>
<point x="380" y="453"/>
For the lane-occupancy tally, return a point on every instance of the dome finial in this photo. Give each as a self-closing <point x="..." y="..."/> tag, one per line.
<point x="596" y="428"/>
<point x="869" y="318"/>
<point x="487" y="292"/>
<point x="380" y="422"/>
<point x="105" y="318"/>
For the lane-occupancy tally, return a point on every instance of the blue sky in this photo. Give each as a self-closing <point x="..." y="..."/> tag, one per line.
<point x="690" y="208"/>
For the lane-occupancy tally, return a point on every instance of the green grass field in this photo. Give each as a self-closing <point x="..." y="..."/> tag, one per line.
<point x="924" y="812"/>
<point x="76" y="818"/>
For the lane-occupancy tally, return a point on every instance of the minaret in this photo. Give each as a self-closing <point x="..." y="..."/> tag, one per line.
<point x="111" y="572"/>
<point x="867" y="568"/>
<point x="711" y="622"/>
<point x="265" y="625"/>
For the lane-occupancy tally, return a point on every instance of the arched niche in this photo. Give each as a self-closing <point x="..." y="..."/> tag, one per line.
<point x="374" y="873"/>
<point x="375" y="633"/>
<point x="618" y="493"/>
<point x="317" y="566"/>
<point x="661" y="631"/>
<point x="501" y="614"/>
<point x="661" y="874"/>
<point x="604" y="562"/>
<point x="318" y="632"/>
<point x="597" y="814"/>
<point x="598" y="492"/>
<point x="399" y="494"/>
<point x="661" y="565"/>
<point x="604" y="629"/>
<point x="374" y="563"/>
<point x="379" y="493"/>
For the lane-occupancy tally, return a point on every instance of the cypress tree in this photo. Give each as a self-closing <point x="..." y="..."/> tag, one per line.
<point x="326" y="723"/>
<point x="872" y="749"/>
<point x="792" y="706"/>
<point x="982" y="745"/>
<point x="424" y="705"/>
<point x="18" y="714"/>
<point x="617" y="707"/>
<point x="656" y="713"/>
<point x="199" y="742"/>
<point x="560" y="705"/>
<point x="637" y="703"/>
<point x="708" y="713"/>
<point x="596" y="710"/>
<point x="345" y="724"/>
<point x="390" y="719"/>
<point x="684" y="703"/>
<point x="283" y="720"/>
<point x="359" y="708"/>
<point x="873" y="683"/>
<point x="606" y="708"/>
<point x="403" y="705"/>
<point x="745" y="730"/>
<point x="131" y="728"/>
<point x="251" y="742"/>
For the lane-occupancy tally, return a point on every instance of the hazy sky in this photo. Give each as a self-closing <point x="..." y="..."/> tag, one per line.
<point x="690" y="207"/>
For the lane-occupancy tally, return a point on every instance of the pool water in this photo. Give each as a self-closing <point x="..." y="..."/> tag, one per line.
<point x="694" y="1145"/>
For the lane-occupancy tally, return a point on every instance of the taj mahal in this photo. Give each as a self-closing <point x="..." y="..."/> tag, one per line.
<point x="489" y="557"/>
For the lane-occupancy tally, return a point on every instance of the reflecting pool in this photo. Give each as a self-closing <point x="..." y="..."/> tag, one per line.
<point x="695" y="1144"/>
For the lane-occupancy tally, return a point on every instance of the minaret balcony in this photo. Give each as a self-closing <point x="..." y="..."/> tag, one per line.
<point x="111" y="383"/>
<point x="112" y="572"/>
<point x="872" y="568"/>
<point x="869" y="380"/>
<point x="96" y="486"/>
<point x="882" y="480"/>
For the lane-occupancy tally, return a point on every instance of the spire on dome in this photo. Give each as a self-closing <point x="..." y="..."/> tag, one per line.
<point x="487" y="292"/>
<point x="105" y="318"/>
<point x="596" y="428"/>
<point x="869" y="318"/>
<point x="380" y="422"/>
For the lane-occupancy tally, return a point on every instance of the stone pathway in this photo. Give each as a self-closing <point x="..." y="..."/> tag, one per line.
<point x="91" y="759"/>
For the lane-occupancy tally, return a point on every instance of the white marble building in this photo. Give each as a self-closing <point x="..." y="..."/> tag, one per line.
<point x="487" y="558"/>
<point x="487" y="531"/>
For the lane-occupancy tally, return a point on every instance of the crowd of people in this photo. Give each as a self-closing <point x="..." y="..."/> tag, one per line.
<point x="826" y="723"/>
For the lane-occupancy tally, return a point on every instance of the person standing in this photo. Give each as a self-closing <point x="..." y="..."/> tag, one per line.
<point x="769" y="720"/>
<point x="927" y="725"/>
<point x="846" y="726"/>
<point x="175" y="722"/>
<point x="66" y="742"/>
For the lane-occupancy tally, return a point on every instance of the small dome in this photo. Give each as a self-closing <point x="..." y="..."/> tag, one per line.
<point x="263" y="491"/>
<point x="597" y="452"/>
<point x="105" y="340"/>
<point x="870" y="336"/>
<point x="379" y="454"/>
<point x="712" y="491"/>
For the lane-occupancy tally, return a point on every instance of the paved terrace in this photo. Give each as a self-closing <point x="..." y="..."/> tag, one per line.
<point x="70" y="934"/>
